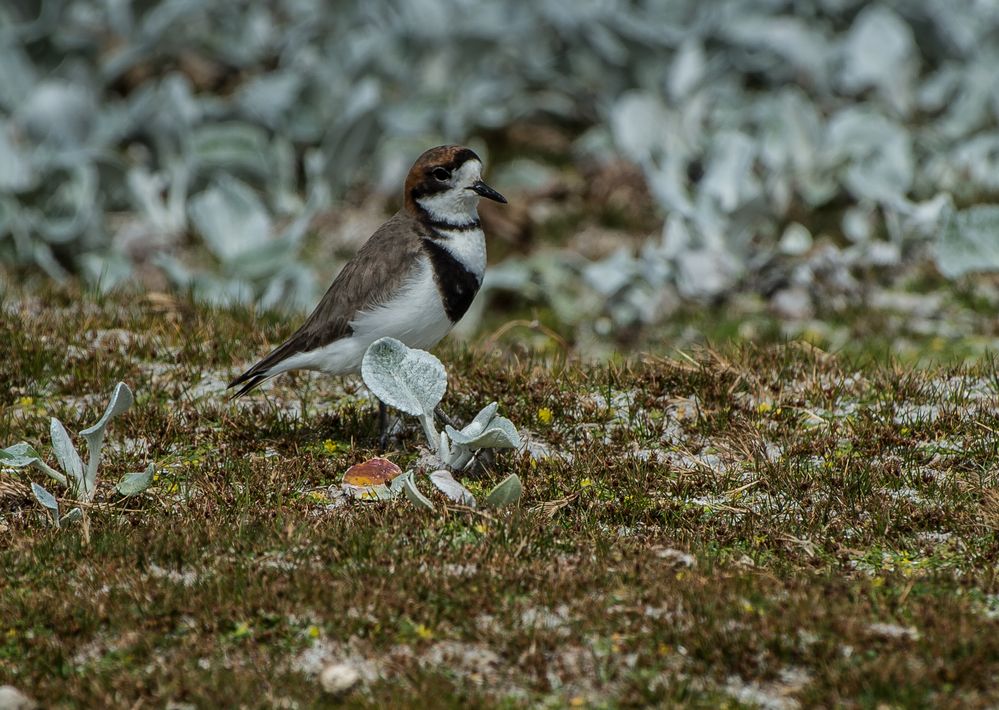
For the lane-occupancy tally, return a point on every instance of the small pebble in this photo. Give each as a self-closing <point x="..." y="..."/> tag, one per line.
<point x="338" y="678"/>
<point x="13" y="699"/>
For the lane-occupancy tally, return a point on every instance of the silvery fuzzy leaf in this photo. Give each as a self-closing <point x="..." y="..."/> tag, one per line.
<point x="687" y="69"/>
<point x="397" y="484"/>
<point x="414" y="495"/>
<point x="979" y="159"/>
<point x="73" y="516"/>
<point x="447" y="485"/>
<point x="858" y="222"/>
<point x="927" y="217"/>
<point x="230" y="218"/>
<point x="877" y="152"/>
<point x="611" y="274"/>
<point x="16" y="171"/>
<point x="500" y="433"/>
<point x="23" y="454"/>
<point x="20" y="75"/>
<point x="121" y="400"/>
<point x="134" y="483"/>
<point x="796" y="240"/>
<point x="231" y="147"/>
<point x="729" y="177"/>
<point x="880" y="52"/>
<point x="506" y="493"/>
<point x="412" y="381"/>
<point x="791" y="39"/>
<point x="293" y="289"/>
<point x="638" y="123"/>
<point x="58" y="112"/>
<point x="19" y="455"/>
<point x="268" y="97"/>
<point x="70" y="207"/>
<point x="47" y="501"/>
<point x="969" y="242"/>
<point x="481" y="420"/>
<point x="704" y="273"/>
<point x="146" y="191"/>
<point x="65" y="453"/>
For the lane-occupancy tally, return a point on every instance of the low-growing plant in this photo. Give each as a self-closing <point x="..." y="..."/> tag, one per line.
<point x="79" y="480"/>
<point x="414" y="381"/>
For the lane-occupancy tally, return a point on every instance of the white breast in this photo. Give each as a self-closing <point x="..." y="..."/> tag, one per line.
<point x="415" y="316"/>
<point x="469" y="247"/>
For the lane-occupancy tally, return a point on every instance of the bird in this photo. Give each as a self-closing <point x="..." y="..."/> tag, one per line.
<point x="412" y="280"/>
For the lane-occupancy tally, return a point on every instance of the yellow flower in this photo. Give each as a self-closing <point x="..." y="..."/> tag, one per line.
<point x="763" y="407"/>
<point x="577" y="701"/>
<point x="313" y="631"/>
<point x="318" y="497"/>
<point x="329" y="446"/>
<point x="242" y="630"/>
<point x="545" y="416"/>
<point x="25" y="401"/>
<point x="424" y="632"/>
<point x="481" y="528"/>
<point x="585" y="483"/>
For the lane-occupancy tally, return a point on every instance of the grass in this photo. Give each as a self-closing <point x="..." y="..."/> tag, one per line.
<point x="757" y="524"/>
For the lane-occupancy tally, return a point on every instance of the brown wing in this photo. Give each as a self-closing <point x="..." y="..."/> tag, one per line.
<point x="369" y="279"/>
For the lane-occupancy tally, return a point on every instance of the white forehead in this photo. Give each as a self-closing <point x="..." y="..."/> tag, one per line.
<point x="469" y="172"/>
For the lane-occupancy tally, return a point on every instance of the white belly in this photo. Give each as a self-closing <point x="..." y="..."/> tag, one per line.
<point x="414" y="316"/>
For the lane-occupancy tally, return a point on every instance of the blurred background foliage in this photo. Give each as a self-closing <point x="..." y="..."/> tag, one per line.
<point x="657" y="153"/>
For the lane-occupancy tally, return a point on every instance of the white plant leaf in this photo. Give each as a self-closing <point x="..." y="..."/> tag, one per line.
<point x="47" y="501"/>
<point x="397" y="484"/>
<point x="880" y="52"/>
<point x="44" y="497"/>
<point x="22" y="454"/>
<point x="414" y="495"/>
<point x="412" y="381"/>
<point x="73" y="516"/>
<point x="16" y="170"/>
<point x="969" y="242"/>
<point x="499" y="433"/>
<point x="369" y="493"/>
<point x="19" y="455"/>
<point x="507" y="492"/>
<point x="447" y="485"/>
<point x="121" y="399"/>
<point x="65" y="452"/>
<point x="134" y="483"/>
<point x="230" y="218"/>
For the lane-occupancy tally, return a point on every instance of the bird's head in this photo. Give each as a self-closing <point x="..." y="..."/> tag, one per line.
<point x="445" y="184"/>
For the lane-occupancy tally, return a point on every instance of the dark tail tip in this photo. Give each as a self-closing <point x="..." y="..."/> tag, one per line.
<point x="248" y="381"/>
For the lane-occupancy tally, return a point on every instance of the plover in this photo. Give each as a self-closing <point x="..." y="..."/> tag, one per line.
<point x="412" y="280"/>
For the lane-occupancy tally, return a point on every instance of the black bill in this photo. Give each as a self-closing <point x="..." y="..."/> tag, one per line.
<point x="486" y="191"/>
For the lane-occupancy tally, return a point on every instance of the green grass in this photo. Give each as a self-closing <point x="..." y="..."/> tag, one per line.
<point x="840" y="519"/>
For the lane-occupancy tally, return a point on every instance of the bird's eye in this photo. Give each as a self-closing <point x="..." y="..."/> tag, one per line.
<point x="441" y="174"/>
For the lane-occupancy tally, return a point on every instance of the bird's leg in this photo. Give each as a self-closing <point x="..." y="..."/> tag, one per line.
<point x="382" y="426"/>
<point x="439" y="413"/>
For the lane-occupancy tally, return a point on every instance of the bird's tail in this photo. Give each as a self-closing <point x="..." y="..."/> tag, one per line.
<point x="265" y="369"/>
<point x="249" y="382"/>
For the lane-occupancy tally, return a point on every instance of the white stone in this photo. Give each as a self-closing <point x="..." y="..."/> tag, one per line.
<point x="338" y="678"/>
<point x="13" y="699"/>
